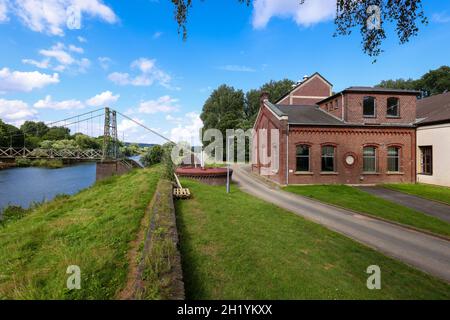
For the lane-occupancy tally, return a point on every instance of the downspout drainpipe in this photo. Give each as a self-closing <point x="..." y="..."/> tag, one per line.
<point x="287" y="155"/>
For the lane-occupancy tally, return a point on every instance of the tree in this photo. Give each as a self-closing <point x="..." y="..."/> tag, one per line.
<point x="275" y="89"/>
<point x="57" y="133"/>
<point x="36" y="129"/>
<point x="371" y="16"/>
<point x="224" y="109"/>
<point x="350" y="14"/>
<point x="11" y="136"/>
<point x="403" y="84"/>
<point x="85" y="142"/>
<point x="433" y="82"/>
<point x="154" y="156"/>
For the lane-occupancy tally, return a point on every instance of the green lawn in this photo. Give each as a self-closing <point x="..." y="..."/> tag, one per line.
<point x="239" y="247"/>
<point x="92" y="229"/>
<point x="354" y="199"/>
<point x="423" y="190"/>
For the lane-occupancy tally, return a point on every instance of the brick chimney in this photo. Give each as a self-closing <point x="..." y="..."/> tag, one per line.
<point x="264" y="96"/>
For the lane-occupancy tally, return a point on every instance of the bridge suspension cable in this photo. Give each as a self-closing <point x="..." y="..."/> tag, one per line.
<point x="145" y="127"/>
<point x="52" y="124"/>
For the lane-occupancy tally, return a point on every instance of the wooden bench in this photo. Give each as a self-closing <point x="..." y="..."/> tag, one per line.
<point x="180" y="192"/>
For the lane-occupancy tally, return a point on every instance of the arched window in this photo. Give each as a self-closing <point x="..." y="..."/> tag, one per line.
<point x="328" y="163"/>
<point x="393" y="159"/>
<point x="302" y="155"/>
<point x="369" y="159"/>
<point x="369" y="107"/>
<point x="393" y="107"/>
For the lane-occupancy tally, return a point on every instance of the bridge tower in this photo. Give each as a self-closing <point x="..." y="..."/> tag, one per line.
<point x="110" y="138"/>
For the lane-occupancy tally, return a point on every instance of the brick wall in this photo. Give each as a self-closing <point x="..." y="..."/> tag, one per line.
<point x="267" y="120"/>
<point x="350" y="141"/>
<point x="308" y="93"/>
<point x="354" y="108"/>
<point x="333" y="107"/>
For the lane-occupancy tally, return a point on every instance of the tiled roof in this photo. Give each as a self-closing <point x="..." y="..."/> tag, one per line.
<point x="301" y="114"/>
<point x="373" y="90"/>
<point x="434" y="109"/>
<point x="378" y="89"/>
<point x="275" y="108"/>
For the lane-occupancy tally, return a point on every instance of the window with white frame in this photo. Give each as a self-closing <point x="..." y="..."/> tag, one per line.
<point x="370" y="159"/>
<point x="393" y="159"/>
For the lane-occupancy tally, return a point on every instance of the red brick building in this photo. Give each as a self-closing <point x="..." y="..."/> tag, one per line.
<point x="361" y="135"/>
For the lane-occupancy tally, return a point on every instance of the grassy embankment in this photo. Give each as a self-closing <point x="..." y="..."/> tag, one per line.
<point x="423" y="190"/>
<point x="42" y="163"/>
<point x="92" y="230"/>
<point x="357" y="200"/>
<point x="239" y="247"/>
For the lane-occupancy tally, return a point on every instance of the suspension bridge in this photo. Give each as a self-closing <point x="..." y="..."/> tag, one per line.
<point x="84" y="123"/>
<point x="99" y="124"/>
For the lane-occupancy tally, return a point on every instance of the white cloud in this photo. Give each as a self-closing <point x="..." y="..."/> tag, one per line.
<point x="59" y="58"/>
<point x="82" y="39"/>
<point x="48" y="103"/>
<point x="171" y="118"/>
<point x="128" y="126"/>
<point x="103" y="99"/>
<point x="149" y="73"/>
<point x="104" y="62"/>
<point x="306" y="14"/>
<point x="157" y="35"/>
<point x="44" y="64"/>
<point x="3" y="11"/>
<point x="58" y="53"/>
<point x="163" y="104"/>
<point x="440" y="17"/>
<point x="54" y="16"/>
<point x="76" y="49"/>
<point x="189" y="130"/>
<point x="15" y="111"/>
<point x="236" y="68"/>
<point x="25" y="81"/>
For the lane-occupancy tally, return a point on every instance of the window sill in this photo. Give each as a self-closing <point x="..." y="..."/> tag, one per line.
<point x="303" y="173"/>
<point x="371" y="173"/>
<point x="325" y="173"/>
<point x="392" y="173"/>
<point x="425" y="174"/>
<point x="369" y="117"/>
<point x="393" y="117"/>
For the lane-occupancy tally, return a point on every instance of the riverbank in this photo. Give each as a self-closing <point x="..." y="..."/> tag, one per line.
<point x="92" y="229"/>
<point x="7" y="165"/>
<point x="40" y="163"/>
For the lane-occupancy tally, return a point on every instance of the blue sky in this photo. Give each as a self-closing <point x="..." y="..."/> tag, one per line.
<point x="128" y="55"/>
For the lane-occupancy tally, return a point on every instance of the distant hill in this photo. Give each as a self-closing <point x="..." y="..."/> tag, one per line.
<point x="141" y="145"/>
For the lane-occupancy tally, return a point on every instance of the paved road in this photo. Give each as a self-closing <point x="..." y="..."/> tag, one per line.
<point x="422" y="251"/>
<point x="432" y="208"/>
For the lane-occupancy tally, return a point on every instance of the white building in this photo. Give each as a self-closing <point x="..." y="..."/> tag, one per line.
<point x="433" y="140"/>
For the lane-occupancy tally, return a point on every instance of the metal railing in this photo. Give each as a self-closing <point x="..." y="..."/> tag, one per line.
<point x="89" y="154"/>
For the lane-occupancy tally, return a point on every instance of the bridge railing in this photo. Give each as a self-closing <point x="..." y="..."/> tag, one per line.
<point x="38" y="153"/>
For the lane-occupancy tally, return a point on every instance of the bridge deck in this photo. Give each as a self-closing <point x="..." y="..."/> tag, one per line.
<point x="12" y="153"/>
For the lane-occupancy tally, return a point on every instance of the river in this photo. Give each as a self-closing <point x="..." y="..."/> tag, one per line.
<point x="24" y="186"/>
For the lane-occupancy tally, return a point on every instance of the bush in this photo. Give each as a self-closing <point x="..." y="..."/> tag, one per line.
<point x="12" y="213"/>
<point x="44" y="163"/>
<point x="152" y="157"/>
<point x="22" y="162"/>
<point x="169" y="166"/>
